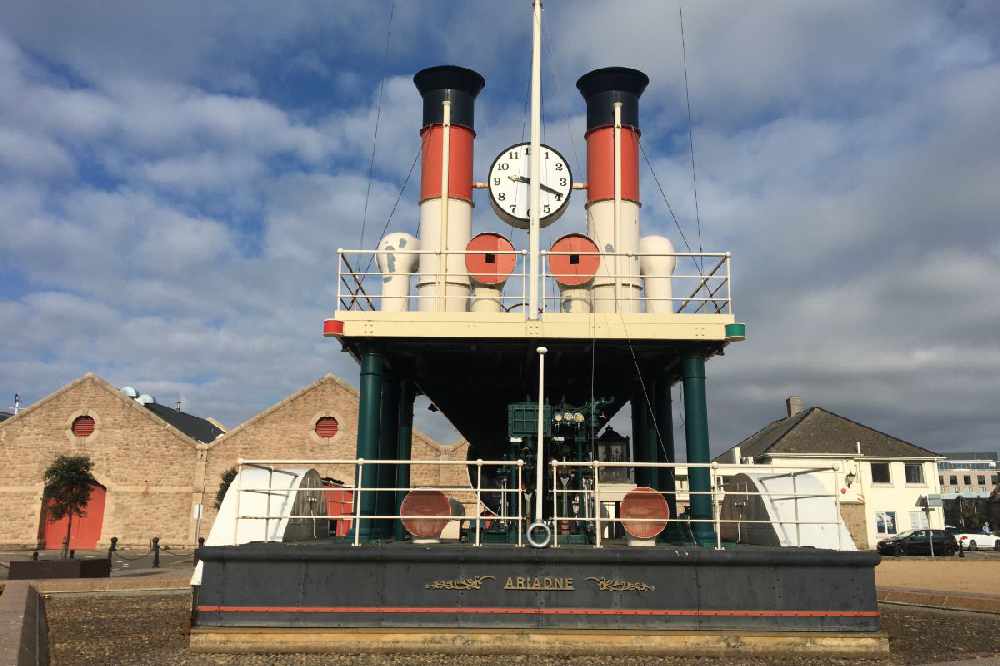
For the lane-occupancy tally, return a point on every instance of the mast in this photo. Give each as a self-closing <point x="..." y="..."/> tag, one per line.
<point x="535" y="192"/>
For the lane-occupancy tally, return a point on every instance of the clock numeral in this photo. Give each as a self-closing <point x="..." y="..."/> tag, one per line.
<point x="558" y="196"/>
<point x="512" y="154"/>
<point x="502" y="196"/>
<point x="504" y="166"/>
<point x="559" y="166"/>
<point x="546" y="209"/>
<point x="513" y="209"/>
<point x="546" y="154"/>
<point x="562" y="181"/>
<point x="496" y="181"/>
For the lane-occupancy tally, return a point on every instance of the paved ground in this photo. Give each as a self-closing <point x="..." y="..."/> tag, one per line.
<point x="144" y="628"/>
<point x="977" y="573"/>
<point x="123" y="563"/>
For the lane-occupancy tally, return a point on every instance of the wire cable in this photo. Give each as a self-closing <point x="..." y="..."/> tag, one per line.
<point x="378" y="118"/>
<point x="687" y="97"/>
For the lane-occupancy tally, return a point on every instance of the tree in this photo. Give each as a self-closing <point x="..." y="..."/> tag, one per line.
<point x="68" y="481"/>
<point x="227" y="479"/>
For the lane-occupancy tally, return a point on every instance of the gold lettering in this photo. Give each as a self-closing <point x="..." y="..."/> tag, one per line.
<point x="520" y="583"/>
<point x="509" y="585"/>
<point x="569" y="583"/>
<point x="547" y="583"/>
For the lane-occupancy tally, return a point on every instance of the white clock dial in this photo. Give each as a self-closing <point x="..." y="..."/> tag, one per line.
<point x="510" y="178"/>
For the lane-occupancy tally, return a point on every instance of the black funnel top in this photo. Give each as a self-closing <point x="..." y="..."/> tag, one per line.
<point x="455" y="84"/>
<point x="601" y="88"/>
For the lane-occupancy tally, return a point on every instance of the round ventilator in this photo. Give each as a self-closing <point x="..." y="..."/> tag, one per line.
<point x="425" y="503"/>
<point x="644" y="504"/>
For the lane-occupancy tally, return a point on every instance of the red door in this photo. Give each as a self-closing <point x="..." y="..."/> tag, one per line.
<point x="340" y="505"/>
<point x="86" y="529"/>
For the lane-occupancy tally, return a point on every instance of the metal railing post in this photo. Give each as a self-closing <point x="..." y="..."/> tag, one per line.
<point x="555" y="493"/>
<point x="717" y="505"/>
<point x="597" y="505"/>
<point x="520" y="505"/>
<point x="479" y="486"/>
<point x="836" y="498"/>
<point x="359" y="473"/>
<point x="236" y="523"/>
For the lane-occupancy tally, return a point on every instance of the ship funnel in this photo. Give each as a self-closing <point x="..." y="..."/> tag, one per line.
<point x="447" y="136"/>
<point x="612" y="97"/>
<point x="489" y="262"/>
<point x="396" y="264"/>
<point x="573" y="261"/>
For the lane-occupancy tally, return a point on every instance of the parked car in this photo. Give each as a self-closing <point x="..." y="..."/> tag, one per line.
<point x="976" y="540"/>
<point x="916" y="542"/>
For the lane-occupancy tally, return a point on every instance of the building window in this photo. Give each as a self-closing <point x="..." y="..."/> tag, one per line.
<point x="885" y="522"/>
<point x="914" y="472"/>
<point x="326" y="427"/>
<point x="83" y="426"/>
<point x="981" y="479"/>
<point x="995" y="479"/>
<point x="953" y="480"/>
<point x="880" y="473"/>
<point x="967" y="480"/>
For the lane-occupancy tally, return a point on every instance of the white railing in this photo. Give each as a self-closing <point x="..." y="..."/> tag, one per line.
<point x="358" y="490"/>
<point x="700" y="283"/>
<point x="705" y="278"/>
<point x="592" y="496"/>
<point x="360" y="287"/>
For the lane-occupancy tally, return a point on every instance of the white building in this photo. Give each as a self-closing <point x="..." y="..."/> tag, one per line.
<point x="882" y="480"/>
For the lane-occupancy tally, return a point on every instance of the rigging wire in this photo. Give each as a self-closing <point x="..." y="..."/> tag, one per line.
<point x="663" y="194"/>
<point x="687" y="98"/>
<point x="399" y="197"/>
<point x="378" y="118"/>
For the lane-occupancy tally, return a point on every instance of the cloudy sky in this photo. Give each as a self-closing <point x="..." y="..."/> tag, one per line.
<point x="176" y="177"/>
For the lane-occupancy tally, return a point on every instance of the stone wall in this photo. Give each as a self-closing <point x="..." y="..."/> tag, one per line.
<point x="854" y="518"/>
<point x="144" y="463"/>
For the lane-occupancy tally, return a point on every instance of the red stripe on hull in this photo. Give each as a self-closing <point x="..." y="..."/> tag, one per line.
<point x="439" y="610"/>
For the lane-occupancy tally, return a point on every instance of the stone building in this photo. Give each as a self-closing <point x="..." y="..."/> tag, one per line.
<point x="159" y="469"/>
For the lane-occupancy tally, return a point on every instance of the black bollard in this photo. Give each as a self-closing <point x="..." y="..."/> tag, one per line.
<point x="961" y="550"/>
<point x="34" y="556"/>
<point x="201" y="544"/>
<point x="156" y="552"/>
<point x="112" y="548"/>
<point x="72" y="553"/>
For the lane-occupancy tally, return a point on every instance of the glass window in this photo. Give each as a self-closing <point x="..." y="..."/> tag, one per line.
<point x="953" y="480"/>
<point x="981" y="479"/>
<point x="914" y="472"/>
<point x="995" y="479"/>
<point x="967" y="479"/>
<point x="885" y="522"/>
<point x="880" y="472"/>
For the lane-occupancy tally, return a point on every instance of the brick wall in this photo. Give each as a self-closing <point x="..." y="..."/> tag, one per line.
<point x="286" y="431"/>
<point x="854" y="518"/>
<point x="144" y="463"/>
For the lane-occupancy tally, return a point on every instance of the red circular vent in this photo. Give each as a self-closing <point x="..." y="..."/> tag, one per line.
<point x="83" y="426"/>
<point x="425" y="503"/>
<point x="648" y="505"/>
<point x="576" y="261"/>
<point x="327" y="427"/>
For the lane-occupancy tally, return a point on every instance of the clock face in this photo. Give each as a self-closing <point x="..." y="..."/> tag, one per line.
<point x="510" y="178"/>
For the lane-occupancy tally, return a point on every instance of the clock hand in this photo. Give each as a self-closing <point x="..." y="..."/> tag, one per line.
<point x="522" y="179"/>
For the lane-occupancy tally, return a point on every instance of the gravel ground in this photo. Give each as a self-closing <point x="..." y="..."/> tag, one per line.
<point x="978" y="573"/>
<point x="133" y="629"/>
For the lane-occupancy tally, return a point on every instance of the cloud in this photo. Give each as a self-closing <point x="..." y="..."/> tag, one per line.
<point x="176" y="181"/>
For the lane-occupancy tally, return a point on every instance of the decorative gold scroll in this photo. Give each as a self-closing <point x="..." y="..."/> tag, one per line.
<point x="474" y="583"/>
<point x="618" y="585"/>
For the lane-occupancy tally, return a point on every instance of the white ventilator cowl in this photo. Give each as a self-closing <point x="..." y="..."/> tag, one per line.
<point x="396" y="266"/>
<point x="657" y="268"/>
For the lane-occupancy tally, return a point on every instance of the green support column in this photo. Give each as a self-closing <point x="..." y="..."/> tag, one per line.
<point x="665" y="481"/>
<point x="388" y="430"/>
<point x="696" y="435"/>
<point x="369" y="413"/>
<point x="405" y="445"/>
<point x="640" y="437"/>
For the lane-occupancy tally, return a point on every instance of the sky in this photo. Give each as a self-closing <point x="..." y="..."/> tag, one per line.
<point x="175" y="179"/>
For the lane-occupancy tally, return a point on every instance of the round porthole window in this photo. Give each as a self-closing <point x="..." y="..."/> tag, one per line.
<point x="326" y="427"/>
<point x="83" y="426"/>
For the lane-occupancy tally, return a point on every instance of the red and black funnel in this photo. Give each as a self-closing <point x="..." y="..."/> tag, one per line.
<point x="601" y="88"/>
<point x="457" y="85"/>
